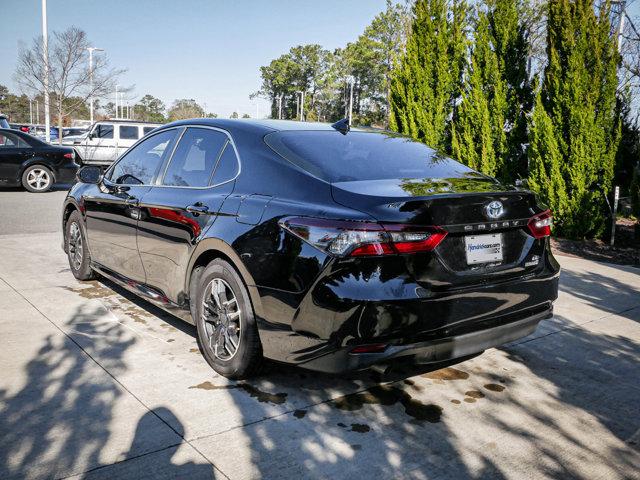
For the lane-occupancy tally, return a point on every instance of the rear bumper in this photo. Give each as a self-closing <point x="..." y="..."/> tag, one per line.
<point x="431" y="351"/>
<point x="66" y="173"/>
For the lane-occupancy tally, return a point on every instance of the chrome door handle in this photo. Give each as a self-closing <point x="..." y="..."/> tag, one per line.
<point x="197" y="209"/>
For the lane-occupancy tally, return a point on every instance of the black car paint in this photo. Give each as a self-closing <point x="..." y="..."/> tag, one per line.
<point x="14" y="161"/>
<point x="311" y="307"/>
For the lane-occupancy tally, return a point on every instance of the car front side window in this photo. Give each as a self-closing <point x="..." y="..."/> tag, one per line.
<point x="141" y="164"/>
<point x="104" y="131"/>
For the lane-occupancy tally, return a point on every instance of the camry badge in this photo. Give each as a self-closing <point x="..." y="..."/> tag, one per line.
<point x="494" y="209"/>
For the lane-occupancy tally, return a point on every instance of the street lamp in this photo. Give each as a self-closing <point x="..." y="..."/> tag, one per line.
<point x="91" y="50"/>
<point x="45" y="58"/>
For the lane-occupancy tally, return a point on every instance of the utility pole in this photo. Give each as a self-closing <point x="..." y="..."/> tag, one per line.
<point x="37" y="112"/>
<point x="280" y="107"/>
<point x="297" y="105"/>
<point x="116" y="113"/>
<point x="45" y="60"/>
<point x="31" y="111"/>
<point x="91" y="50"/>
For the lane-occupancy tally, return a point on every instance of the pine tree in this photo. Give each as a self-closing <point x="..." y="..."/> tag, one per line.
<point x="490" y="123"/>
<point x="425" y="84"/>
<point x="574" y="131"/>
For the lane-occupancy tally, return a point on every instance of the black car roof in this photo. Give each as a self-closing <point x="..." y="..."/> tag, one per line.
<point x="265" y="126"/>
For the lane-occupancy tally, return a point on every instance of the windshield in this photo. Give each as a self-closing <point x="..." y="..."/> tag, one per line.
<point x="362" y="156"/>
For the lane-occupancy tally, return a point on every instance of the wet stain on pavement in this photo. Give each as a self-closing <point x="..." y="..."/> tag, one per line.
<point x="96" y="290"/>
<point x="360" y="427"/>
<point x="494" y="387"/>
<point x="341" y="425"/>
<point x="470" y="400"/>
<point x="474" y="394"/>
<point x="194" y="350"/>
<point x="171" y="340"/>
<point x="388" y="395"/>
<point x="455" y="402"/>
<point x="448" y="373"/>
<point x="262" y="397"/>
<point x="299" y="413"/>
<point x="356" y="447"/>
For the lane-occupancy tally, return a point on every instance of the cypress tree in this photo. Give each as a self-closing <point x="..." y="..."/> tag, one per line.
<point x="574" y="132"/>
<point x="426" y="82"/>
<point x="490" y="128"/>
<point x="478" y="135"/>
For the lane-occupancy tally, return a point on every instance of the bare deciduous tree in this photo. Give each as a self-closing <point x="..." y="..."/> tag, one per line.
<point x="69" y="76"/>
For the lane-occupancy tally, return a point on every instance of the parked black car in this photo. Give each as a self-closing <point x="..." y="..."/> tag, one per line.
<point x="322" y="247"/>
<point x="32" y="163"/>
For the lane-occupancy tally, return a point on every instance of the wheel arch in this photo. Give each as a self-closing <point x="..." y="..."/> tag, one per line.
<point x="210" y="249"/>
<point x="68" y="208"/>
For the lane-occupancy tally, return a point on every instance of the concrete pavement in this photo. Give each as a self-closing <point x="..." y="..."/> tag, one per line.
<point x="98" y="384"/>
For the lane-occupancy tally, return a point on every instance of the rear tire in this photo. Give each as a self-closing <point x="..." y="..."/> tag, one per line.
<point x="227" y="331"/>
<point x="76" y="245"/>
<point x="37" y="179"/>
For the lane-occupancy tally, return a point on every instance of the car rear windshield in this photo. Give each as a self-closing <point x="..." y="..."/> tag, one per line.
<point x="362" y="155"/>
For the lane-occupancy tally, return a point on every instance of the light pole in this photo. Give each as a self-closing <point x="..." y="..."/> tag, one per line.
<point x="45" y="60"/>
<point x="116" y="114"/>
<point x="350" y="98"/>
<point x="91" y="50"/>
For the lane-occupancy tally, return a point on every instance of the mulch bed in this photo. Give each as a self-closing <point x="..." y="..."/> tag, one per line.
<point x="625" y="252"/>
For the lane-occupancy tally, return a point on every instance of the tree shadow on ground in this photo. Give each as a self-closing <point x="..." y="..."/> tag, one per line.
<point x="63" y="419"/>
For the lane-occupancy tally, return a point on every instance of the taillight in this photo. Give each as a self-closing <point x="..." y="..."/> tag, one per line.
<point x="540" y="224"/>
<point x="70" y="156"/>
<point x="358" y="239"/>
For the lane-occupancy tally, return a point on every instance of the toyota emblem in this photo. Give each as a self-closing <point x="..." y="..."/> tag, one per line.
<point x="494" y="209"/>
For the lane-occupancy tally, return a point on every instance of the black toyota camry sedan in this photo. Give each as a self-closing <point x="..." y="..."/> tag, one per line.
<point x="32" y="163"/>
<point x="317" y="245"/>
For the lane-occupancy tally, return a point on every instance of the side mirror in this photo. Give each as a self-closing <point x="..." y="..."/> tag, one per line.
<point x="90" y="174"/>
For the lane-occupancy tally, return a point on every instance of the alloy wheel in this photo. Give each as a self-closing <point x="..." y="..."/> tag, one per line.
<point x="75" y="248"/>
<point x="221" y="316"/>
<point x="39" y="179"/>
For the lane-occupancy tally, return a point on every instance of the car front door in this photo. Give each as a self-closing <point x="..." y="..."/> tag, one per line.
<point x="178" y="211"/>
<point x="13" y="152"/>
<point x="112" y="208"/>
<point x="100" y="144"/>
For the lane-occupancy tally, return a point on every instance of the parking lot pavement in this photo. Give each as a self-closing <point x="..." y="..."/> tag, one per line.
<point x="22" y="212"/>
<point x="98" y="384"/>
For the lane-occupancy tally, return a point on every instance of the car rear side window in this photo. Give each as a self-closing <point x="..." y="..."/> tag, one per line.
<point x="104" y="131"/>
<point x="128" y="132"/>
<point x="362" y="155"/>
<point x="227" y="167"/>
<point x="8" y="140"/>
<point x="141" y="164"/>
<point x="195" y="158"/>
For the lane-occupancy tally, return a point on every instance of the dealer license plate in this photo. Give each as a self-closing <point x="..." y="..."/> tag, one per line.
<point x="483" y="248"/>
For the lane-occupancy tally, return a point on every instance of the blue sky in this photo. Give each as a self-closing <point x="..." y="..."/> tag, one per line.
<point x="207" y="50"/>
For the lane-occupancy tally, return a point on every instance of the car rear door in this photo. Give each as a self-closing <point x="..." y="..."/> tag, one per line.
<point x="112" y="210"/>
<point x="177" y="212"/>
<point x="13" y="152"/>
<point x="127" y="135"/>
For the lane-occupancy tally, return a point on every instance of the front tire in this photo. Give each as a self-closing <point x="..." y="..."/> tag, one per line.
<point x="227" y="331"/>
<point x="37" y="179"/>
<point x="77" y="251"/>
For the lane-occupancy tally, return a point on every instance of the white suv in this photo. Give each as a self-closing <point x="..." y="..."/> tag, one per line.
<point x="108" y="139"/>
